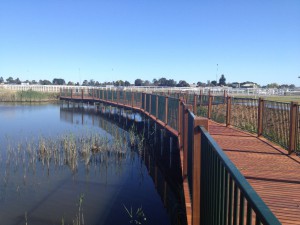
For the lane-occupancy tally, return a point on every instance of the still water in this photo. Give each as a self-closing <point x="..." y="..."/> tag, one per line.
<point x="76" y="166"/>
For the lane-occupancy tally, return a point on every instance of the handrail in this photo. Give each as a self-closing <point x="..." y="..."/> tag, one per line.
<point x="249" y="116"/>
<point x="263" y="213"/>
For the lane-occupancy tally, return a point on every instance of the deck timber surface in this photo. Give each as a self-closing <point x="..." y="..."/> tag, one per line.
<point x="273" y="173"/>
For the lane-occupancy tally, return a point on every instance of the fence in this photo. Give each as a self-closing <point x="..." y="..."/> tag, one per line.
<point x="219" y="193"/>
<point x="277" y="121"/>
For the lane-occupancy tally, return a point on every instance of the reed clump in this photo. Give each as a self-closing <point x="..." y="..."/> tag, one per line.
<point x="27" y="96"/>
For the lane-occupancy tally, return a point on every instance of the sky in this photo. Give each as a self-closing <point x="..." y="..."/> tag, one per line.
<point x="109" y="40"/>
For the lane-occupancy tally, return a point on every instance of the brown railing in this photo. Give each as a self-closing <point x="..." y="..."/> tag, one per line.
<point x="277" y="121"/>
<point x="243" y="113"/>
<point x="218" y="193"/>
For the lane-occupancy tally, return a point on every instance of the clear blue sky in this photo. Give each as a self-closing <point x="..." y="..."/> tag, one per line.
<point x="255" y="40"/>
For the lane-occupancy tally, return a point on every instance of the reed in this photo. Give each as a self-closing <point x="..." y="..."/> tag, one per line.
<point x="136" y="216"/>
<point x="27" y="96"/>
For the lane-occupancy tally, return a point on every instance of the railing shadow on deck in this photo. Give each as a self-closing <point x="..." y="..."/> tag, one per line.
<point x="219" y="194"/>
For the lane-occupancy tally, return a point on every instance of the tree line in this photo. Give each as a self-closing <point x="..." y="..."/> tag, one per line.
<point x="139" y="82"/>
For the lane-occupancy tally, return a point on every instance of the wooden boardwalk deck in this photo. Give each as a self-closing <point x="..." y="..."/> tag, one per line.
<point x="273" y="174"/>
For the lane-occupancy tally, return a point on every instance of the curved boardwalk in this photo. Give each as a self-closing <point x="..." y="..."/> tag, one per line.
<point x="274" y="175"/>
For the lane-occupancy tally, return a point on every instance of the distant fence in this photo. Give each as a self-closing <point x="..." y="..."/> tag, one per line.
<point x="172" y="91"/>
<point x="219" y="193"/>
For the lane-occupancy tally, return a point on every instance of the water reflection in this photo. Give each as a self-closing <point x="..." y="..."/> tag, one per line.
<point x="158" y="152"/>
<point x="104" y="156"/>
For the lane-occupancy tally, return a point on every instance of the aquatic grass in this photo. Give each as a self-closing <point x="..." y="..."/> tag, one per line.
<point x="27" y="96"/>
<point x="136" y="217"/>
<point x="79" y="218"/>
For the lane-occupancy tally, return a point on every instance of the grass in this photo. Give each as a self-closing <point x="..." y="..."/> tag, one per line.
<point x="26" y="96"/>
<point x="69" y="149"/>
<point x="137" y="217"/>
<point x="272" y="98"/>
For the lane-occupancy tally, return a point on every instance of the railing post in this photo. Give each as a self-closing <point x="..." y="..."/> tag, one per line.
<point x="166" y="109"/>
<point x="118" y="96"/>
<point x="228" y="111"/>
<point x="145" y="101"/>
<point x="293" y="127"/>
<point x="179" y="120"/>
<point x="200" y="96"/>
<point x="195" y="104"/>
<point x="156" y="113"/>
<point x="196" y="172"/>
<point x="71" y="93"/>
<point x="260" y="117"/>
<point x="132" y="99"/>
<point x="209" y="106"/>
<point x="81" y="93"/>
<point x="185" y="142"/>
<point x="150" y="106"/>
<point x="124" y="97"/>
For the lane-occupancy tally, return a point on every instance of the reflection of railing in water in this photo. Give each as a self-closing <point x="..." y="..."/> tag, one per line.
<point x="190" y="136"/>
<point x="161" y="156"/>
<point x="160" y="166"/>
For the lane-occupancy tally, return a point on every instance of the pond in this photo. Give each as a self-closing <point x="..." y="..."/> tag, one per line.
<point x="86" y="165"/>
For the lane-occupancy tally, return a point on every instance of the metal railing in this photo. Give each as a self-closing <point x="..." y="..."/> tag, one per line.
<point x="243" y="114"/>
<point x="276" y="121"/>
<point x="218" y="109"/>
<point x="298" y="131"/>
<point x="226" y="196"/>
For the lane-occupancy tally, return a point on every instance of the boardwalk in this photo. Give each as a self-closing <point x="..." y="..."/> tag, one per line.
<point x="273" y="174"/>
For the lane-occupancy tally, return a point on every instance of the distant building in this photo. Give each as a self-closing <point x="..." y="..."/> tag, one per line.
<point x="193" y="85"/>
<point x="235" y="85"/>
<point x="249" y="85"/>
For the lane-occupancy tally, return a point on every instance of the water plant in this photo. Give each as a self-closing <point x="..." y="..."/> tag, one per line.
<point x="136" y="217"/>
<point x="79" y="218"/>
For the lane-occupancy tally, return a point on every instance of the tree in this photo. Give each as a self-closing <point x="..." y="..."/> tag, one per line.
<point x="127" y="83"/>
<point x="171" y="83"/>
<point x="70" y="83"/>
<point x="91" y="82"/>
<point x="162" y="82"/>
<point x="155" y="82"/>
<point x="119" y="83"/>
<point x="292" y="86"/>
<point x="58" y="81"/>
<point x="146" y="83"/>
<point x="33" y="82"/>
<point x="200" y="84"/>
<point x="45" y="82"/>
<point x="138" y="82"/>
<point x="214" y="83"/>
<point x="272" y="85"/>
<point x="85" y="83"/>
<point x="1" y="80"/>
<point x="222" y="80"/>
<point x="17" y="81"/>
<point x="182" y="83"/>
<point x="10" y="80"/>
